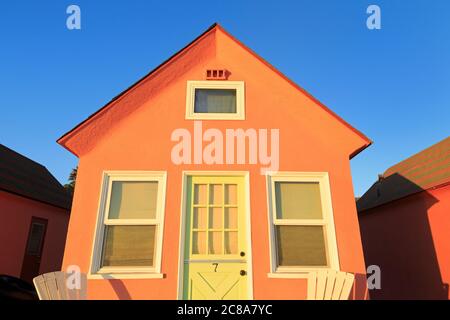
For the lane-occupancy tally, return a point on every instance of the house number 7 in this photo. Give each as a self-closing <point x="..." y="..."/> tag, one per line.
<point x="215" y="264"/>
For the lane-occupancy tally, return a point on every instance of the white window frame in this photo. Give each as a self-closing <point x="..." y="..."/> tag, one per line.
<point x="327" y="222"/>
<point x="96" y="271"/>
<point x="240" y="100"/>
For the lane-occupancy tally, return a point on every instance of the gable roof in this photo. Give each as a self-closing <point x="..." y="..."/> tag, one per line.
<point x="27" y="178"/>
<point x="425" y="170"/>
<point x="65" y="139"/>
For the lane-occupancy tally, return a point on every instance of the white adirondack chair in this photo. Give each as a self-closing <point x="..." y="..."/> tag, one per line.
<point x="330" y="285"/>
<point x="53" y="286"/>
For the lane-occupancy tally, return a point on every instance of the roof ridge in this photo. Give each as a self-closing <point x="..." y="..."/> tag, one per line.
<point x="423" y="151"/>
<point x="424" y="170"/>
<point x="216" y="26"/>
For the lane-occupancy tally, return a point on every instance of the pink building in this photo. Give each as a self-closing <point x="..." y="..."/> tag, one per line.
<point x="34" y="214"/>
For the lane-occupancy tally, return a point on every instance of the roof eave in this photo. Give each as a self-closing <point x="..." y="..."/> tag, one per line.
<point x="68" y="135"/>
<point x="295" y="85"/>
<point x="67" y="208"/>
<point x="358" y="151"/>
<point x="368" y="208"/>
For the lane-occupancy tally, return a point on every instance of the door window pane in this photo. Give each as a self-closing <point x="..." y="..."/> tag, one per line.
<point x="231" y="242"/>
<point x="215" y="242"/>
<point x="215" y="101"/>
<point x="133" y="200"/>
<point x="215" y="218"/>
<point x="298" y="200"/>
<point x="301" y="246"/>
<point x="129" y="246"/>
<point x="215" y="194"/>
<point x="231" y="218"/>
<point x="199" y="221"/>
<point x="200" y="194"/>
<point x="231" y="194"/>
<point x="198" y="242"/>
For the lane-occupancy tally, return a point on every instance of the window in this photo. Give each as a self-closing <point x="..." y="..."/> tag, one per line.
<point x="129" y="236"/>
<point x="36" y="237"/>
<point x="301" y="222"/>
<point x="215" y="215"/>
<point x="215" y="100"/>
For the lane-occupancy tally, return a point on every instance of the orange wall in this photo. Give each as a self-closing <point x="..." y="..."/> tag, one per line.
<point x="409" y="239"/>
<point x="310" y="140"/>
<point x="15" y="218"/>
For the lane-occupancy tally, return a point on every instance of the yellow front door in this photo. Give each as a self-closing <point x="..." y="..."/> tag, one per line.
<point x="215" y="265"/>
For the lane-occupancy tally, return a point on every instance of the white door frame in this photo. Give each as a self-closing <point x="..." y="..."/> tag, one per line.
<point x="184" y="186"/>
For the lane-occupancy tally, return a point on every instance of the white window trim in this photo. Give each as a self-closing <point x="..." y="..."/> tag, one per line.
<point x="240" y="100"/>
<point x="97" y="272"/>
<point x="328" y="221"/>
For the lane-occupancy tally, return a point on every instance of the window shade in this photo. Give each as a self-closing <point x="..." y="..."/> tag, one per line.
<point x="133" y="200"/>
<point x="215" y="101"/>
<point x="298" y="200"/>
<point x="129" y="246"/>
<point x="301" y="246"/>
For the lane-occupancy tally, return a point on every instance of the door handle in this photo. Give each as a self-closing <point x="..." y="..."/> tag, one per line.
<point x="242" y="272"/>
<point x="242" y="254"/>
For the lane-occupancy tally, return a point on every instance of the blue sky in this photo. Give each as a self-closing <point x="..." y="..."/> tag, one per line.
<point x="392" y="84"/>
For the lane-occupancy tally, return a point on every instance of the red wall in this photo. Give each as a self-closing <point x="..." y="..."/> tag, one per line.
<point x="410" y="240"/>
<point x="15" y="219"/>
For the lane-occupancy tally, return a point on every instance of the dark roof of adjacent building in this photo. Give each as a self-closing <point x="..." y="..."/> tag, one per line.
<point x="27" y="178"/>
<point x="425" y="170"/>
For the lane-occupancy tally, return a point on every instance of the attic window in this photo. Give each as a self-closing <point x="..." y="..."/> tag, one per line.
<point x="215" y="100"/>
<point x="216" y="74"/>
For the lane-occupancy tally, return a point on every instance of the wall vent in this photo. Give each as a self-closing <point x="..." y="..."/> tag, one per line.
<point x="216" y="74"/>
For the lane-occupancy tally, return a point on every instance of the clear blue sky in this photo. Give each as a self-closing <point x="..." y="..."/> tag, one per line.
<point x="392" y="84"/>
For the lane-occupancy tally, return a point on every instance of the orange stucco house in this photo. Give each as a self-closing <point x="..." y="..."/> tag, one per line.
<point x="213" y="177"/>
<point x="405" y="222"/>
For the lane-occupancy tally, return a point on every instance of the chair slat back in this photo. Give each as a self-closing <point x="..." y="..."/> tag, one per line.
<point x="53" y="286"/>
<point x="330" y="284"/>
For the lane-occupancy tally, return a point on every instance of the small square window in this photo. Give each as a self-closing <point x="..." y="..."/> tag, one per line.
<point x="215" y="100"/>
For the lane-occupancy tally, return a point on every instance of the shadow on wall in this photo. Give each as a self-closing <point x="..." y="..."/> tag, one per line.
<point x="360" y="291"/>
<point x="397" y="237"/>
<point x="120" y="289"/>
